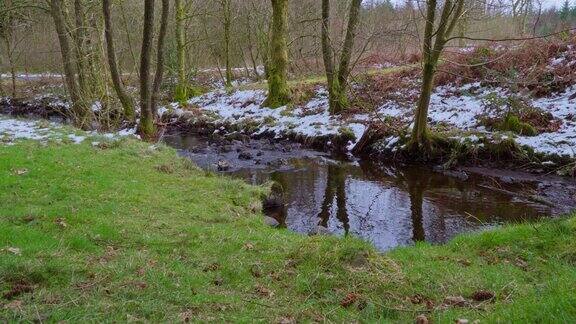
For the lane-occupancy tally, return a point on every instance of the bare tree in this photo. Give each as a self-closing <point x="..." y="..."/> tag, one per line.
<point x="15" y="15"/>
<point x="79" y="34"/>
<point x="82" y="115"/>
<point x="337" y="77"/>
<point x="158" y="78"/>
<point x="126" y="101"/>
<point x="278" y="91"/>
<point x="149" y="95"/>
<point x="226" y="7"/>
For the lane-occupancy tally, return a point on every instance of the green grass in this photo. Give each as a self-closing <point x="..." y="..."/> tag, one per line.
<point x="131" y="233"/>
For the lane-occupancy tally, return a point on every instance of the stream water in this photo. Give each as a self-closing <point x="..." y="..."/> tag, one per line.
<point x="388" y="205"/>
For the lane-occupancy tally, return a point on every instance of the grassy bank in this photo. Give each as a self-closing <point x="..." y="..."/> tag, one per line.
<point x="127" y="232"/>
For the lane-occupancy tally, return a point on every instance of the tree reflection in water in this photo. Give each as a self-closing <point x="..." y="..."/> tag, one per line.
<point x="335" y="190"/>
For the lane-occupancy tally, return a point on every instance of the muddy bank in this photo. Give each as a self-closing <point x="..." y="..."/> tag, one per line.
<point x="46" y="107"/>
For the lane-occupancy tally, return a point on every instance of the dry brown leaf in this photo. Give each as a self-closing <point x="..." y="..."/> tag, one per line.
<point x="61" y="222"/>
<point x="422" y="319"/>
<point x="350" y="299"/>
<point x="263" y="291"/>
<point x="14" y="305"/>
<point x="19" y="172"/>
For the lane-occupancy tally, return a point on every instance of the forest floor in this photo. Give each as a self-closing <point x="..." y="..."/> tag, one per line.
<point x="119" y="230"/>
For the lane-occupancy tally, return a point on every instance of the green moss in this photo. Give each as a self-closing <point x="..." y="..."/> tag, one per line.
<point x="183" y="93"/>
<point x="513" y="124"/>
<point x="270" y="121"/>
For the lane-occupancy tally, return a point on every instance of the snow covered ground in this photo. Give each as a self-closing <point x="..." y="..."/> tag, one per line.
<point x="462" y="108"/>
<point x="32" y="76"/>
<point x="563" y="141"/>
<point x="466" y="106"/>
<point x="310" y="120"/>
<point x="13" y="130"/>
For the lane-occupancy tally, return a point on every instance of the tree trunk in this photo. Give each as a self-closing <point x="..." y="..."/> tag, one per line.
<point x="128" y="34"/>
<point x="146" y="128"/>
<point x="160" y="56"/>
<point x="338" y="79"/>
<point x="434" y="42"/>
<point x="420" y="131"/>
<point x="10" y="55"/>
<point x="278" y="91"/>
<point x="226" y="8"/>
<point x="8" y="35"/>
<point x="328" y="56"/>
<point x="81" y="113"/>
<point x="80" y="48"/>
<point x="353" y="20"/>
<point x="125" y="99"/>
<point x="181" y="93"/>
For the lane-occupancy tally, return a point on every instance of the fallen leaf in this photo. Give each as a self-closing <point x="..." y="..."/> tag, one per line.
<point x="13" y="250"/>
<point x="141" y="271"/>
<point x="18" y="289"/>
<point x="287" y="320"/>
<point x="350" y="299"/>
<point x="521" y="263"/>
<point x="140" y="284"/>
<point x="21" y="171"/>
<point x="28" y="218"/>
<point x="455" y="301"/>
<point x="152" y="263"/>
<point x="256" y="271"/>
<point x="461" y="321"/>
<point x="263" y="291"/>
<point x="482" y="295"/>
<point x="212" y="267"/>
<point x="249" y="246"/>
<point x="218" y="281"/>
<point x="465" y="262"/>
<point x="186" y="316"/>
<point x="61" y="222"/>
<point x="422" y="319"/>
<point x="14" y="305"/>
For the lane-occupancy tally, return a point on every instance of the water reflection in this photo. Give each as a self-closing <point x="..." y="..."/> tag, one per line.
<point x="391" y="206"/>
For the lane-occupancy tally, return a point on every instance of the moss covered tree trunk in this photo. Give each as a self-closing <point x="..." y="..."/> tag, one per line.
<point x="125" y="99"/>
<point x="420" y="130"/>
<point x="277" y="68"/>
<point x="328" y="57"/>
<point x="435" y="39"/>
<point x="146" y="128"/>
<point x="181" y="93"/>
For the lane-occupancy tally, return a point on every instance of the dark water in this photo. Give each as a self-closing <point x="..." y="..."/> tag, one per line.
<point x="385" y="204"/>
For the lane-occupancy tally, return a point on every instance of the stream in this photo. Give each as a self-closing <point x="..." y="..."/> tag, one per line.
<point x="388" y="205"/>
